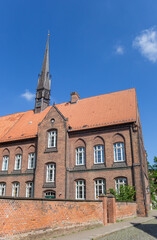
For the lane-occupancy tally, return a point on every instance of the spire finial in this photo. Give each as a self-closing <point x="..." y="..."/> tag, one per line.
<point x="48" y="33"/>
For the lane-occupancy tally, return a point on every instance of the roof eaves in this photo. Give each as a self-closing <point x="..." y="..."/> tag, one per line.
<point x="3" y="140"/>
<point x="101" y="125"/>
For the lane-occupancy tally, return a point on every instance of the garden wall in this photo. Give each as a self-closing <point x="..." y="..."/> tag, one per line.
<point x="23" y="215"/>
<point x="125" y="210"/>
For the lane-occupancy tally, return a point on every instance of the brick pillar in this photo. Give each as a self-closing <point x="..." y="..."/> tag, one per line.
<point x="111" y="209"/>
<point x="103" y="198"/>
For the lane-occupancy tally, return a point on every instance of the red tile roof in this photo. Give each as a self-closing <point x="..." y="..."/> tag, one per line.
<point x="107" y="109"/>
<point x="103" y="110"/>
<point x="20" y="125"/>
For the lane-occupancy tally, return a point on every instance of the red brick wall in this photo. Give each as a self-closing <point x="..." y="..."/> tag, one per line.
<point x="109" y="170"/>
<point x="11" y="175"/>
<point x="18" y="216"/>
<point x="125" y="209"/>
<point x="45" y="155"/>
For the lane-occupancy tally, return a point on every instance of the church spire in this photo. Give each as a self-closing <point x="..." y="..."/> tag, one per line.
<point x="44" y="83"/>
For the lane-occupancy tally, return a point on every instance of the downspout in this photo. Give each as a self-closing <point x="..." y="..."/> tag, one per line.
<point x="65" y="159"/>
<point x="142" y="177"/>
<point x="132" y="155"/>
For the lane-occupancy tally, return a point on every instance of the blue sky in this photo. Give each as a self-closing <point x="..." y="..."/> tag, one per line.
<point x="96" y="47"/>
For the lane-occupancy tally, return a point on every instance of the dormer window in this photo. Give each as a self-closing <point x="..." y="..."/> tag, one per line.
<point x="52" y="139"/>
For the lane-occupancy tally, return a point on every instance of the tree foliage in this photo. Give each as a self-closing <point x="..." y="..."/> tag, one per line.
<point x="126" y="193"/>
<point x="153" y="181"/>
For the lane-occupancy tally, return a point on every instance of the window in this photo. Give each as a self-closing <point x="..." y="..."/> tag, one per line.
<point x="119" y="152"/>
<point x="15" y="189"/>
<point x="2" y="189"/>
<point x="18" y="158"/>
<point x="50" y="174"/>
<point x="31" y="160"/>
<point x="99" y="187"/>
<point x="80" y="190"/>
<point x="5" y="163"/>
<point x="120" y="182"/>
<point x="98" y="154"/>
<point x="80" y="156"/>
<point x="52" y="139"/>
<point x="50" y="194"/>
<point x="29" y="189"/>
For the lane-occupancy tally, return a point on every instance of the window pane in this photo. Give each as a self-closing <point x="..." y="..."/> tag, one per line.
<point x="99" y="187"/>
<point x="119" y="152"/>
<point x="52" y="139"/>
<point x="80" y="156"/>
<point x="80" y="189"/>
<point x="99" y="154"/>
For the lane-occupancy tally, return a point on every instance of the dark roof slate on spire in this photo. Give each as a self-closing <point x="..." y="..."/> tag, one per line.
<point x="44" y="81"/>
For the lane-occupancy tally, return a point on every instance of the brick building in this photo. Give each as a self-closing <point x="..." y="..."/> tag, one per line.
<point x="74" y="150"/>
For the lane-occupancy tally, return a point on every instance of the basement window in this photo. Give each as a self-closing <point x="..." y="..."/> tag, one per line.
<point x="50" y="194"/>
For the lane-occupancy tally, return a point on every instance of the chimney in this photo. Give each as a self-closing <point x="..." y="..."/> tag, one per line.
<point x="74" y="97"/>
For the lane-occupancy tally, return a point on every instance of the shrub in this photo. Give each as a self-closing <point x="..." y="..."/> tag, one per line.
<point x="126" y="193"/>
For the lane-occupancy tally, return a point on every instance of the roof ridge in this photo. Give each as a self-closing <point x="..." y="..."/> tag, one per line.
<point x="99" y="95"/>
<point x="16" y="113"/>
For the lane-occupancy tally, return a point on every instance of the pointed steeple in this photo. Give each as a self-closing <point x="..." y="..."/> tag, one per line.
<point x="44" y="83"/>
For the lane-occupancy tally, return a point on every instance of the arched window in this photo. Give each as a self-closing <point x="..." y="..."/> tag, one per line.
<point x="31" y="160"/>
<point x="2" y="189"/>
<point x="52" y="139"/>
<point x="50" y="194"/>
<point x="120" y="182"/>
<point x="99" y="187"/>
<point x="15" y="189"/>
<point x="119" y="155"/>
<point x="5" y="162"/>
<point x="80" y="156"/>
<point x="98" y="154"/>
<point x="50" y="172"/>
<point x="18" y="158"/>
<point x="80" y="189"/>
<point x="29" y="189"/>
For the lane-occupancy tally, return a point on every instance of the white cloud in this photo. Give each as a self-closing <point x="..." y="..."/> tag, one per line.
<point x="119" y="50"/>
<point x="28" y="95"/>
<point x="146" y="43"/>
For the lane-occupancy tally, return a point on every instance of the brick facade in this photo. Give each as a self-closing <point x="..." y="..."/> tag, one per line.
<point x="78" y="125"/>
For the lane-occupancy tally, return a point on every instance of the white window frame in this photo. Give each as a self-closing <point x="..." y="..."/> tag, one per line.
<point x="50" y="172"/>
<point x="97" y="149"/>
<point x="80" y="190"/>
<point x="15" y="189"/>
<point x="99" y="187"/>
<point x="2" y="189"/>
<point x="31" y="160"/>
<point x="29" y="189"/>
<point x="5" y="163"/>
<point x="120" y="182"/>
<point x="80" y="156"/>
<point x="119" y="151"/>
<point x="49" y="194"/>
<point x="52" y="139"/>
<point x="18" y="157"/>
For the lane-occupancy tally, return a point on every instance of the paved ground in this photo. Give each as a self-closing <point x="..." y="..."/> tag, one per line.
<point x="139" y="228"/>
<point x="145" y="231"/>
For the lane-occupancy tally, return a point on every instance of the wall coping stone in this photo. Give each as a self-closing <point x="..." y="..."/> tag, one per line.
<point x="47" y="199"/>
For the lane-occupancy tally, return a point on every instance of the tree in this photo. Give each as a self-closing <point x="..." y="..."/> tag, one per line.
<point x="153" y="181"/>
